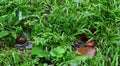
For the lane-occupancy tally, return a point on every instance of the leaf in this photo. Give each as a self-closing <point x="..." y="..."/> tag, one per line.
<point x="77" y="60"/>
<point x="58" y="52"/>
<point x="37" y="28"/>
<point x="13" y="35"/>
<point x="39" y="52"/>
<point x="60" y="49"/>
<point x="3" y="33"/>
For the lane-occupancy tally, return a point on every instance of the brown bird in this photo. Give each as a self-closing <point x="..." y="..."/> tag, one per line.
<point x="88" y="50"/>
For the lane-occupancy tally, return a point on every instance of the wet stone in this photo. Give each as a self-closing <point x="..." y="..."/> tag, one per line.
<point x="29" y="47"/>
<point x="26" y="45"/>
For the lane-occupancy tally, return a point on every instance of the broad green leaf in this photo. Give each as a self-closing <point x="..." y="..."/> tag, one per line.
<point x="38" y="51"/>
<point x="58" y="52"/>
<point x="3" y="33"/>
<point x="77" y="60"/>
<point x="60" y="49"/>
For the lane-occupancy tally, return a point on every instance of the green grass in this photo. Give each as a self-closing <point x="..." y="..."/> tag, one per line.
<point x="52" y="39"/>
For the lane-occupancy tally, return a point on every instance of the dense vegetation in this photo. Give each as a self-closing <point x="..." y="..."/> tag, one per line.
<point x="52" y="25"/>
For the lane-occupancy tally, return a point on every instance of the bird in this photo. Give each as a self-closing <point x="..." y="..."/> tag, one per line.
<point x="91" y="43"/>
<point x="87" y="50"/>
